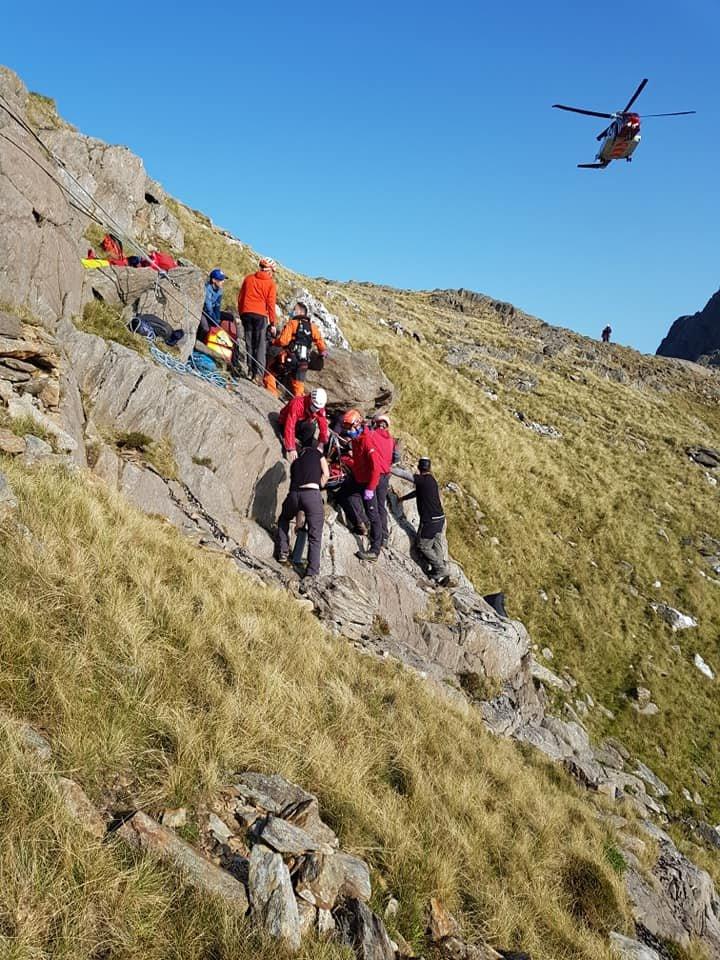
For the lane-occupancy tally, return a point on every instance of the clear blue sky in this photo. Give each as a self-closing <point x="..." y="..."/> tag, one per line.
<point x="414" y="144"/>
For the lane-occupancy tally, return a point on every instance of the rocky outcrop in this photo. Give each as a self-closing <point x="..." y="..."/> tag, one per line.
<point x="692" y="337"/>
<point x="40" y="269"/>
<point x="176" y="298"/>
<point x="353" y="379"/>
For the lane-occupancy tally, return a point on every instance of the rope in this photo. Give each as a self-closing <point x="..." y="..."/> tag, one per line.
<point x="115" y="227"/>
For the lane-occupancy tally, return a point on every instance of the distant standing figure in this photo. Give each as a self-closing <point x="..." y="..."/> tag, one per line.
<point x="606" y="334"/>
<point x="213" y="301"/>
<point x="256" y="306"/>
<point x="308" y="475"/>
<point x="432" y="522"/>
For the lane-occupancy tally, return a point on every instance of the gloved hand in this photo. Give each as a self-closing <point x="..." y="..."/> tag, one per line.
<point x="368" y="495"/>
<point x="291" y="455"/>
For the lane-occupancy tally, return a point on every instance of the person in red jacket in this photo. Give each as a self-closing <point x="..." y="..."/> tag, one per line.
<point x="310" y="407"/>
<point x="385" y="450"/>
<point x="358" y="491"/>
<point x="256" y="306"/>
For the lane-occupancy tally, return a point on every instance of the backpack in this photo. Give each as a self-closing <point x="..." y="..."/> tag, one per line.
<point x="302" y="341"/>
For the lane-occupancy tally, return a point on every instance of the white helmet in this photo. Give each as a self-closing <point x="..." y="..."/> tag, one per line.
<point x="318" y="398"/>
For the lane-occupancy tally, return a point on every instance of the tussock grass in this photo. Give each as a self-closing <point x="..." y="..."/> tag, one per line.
<point x="593" y="520"/>
<point x="106" y="320"/>
<point x="157" y="670"/>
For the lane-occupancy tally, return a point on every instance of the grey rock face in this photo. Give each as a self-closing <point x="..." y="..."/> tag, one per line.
<point x="286" y="838"/>
<point x="272" y="898"/>
<point x="39" y="265"/>
<point x="691" y="337"/>
<point x="143" y="832"/>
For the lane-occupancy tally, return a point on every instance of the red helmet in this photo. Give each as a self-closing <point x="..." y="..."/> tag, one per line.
<point x="351" y="418"/>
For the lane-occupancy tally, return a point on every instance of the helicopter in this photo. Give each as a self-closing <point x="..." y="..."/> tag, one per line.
<point x="621" y="137"/>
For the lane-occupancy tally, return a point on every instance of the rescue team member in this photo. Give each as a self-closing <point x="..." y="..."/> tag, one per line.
<point x="606" y="334"/>
<point x="256" y="306"/>
<point x="295" y="342"/>
<point x="385" y="449"/>
<point x="213" y="301"/>
<point x="299" y="410"/>
<point x="432" y="521"/>
<point x="308" y="475"/>
<point x="359" y="487"/>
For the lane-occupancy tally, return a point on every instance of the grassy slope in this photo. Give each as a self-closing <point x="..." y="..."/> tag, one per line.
<point x="157" y="670"/>
<point x="571" y="514"/>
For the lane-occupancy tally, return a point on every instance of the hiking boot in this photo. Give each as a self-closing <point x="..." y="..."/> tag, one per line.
<point x="282" y="558"/>
<point x="367" y="555"/>
<point x="385" y="541"/>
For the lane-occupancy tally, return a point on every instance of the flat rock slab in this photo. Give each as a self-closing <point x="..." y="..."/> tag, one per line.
<point x="10" y="326"/>
<point x="356" y="877"/>
<point x="272" y="898"/>
<point x="287" y="838"/>
<point x="10" y="443"/>
<point x="364" y="931"/>
<point x="146" y="834"/>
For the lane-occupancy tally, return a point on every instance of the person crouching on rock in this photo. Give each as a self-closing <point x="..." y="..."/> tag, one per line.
<point x="299" y="410"/>
<point x="430" y="541"/>
<point x="308" y="475"/>
<point x="292" y="353"/>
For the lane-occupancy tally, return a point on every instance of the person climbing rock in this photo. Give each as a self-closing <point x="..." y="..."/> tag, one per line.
<point x="308" y="475"/>
<point x="256" y="306"/>
<point x="430" y="540"/>
<point x="310" y="407"/>
<point x="213" y="302"/>
<point x="292" y="348"/>
<point x="358" y="492"/>
<point x="385" y="448"/>
<point x="607" y="331"/>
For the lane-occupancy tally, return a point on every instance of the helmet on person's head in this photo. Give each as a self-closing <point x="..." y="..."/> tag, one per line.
<point x="318" y="398"/>
<point x="303" y="307"/>
<point x="352" y="423"/>
<point x="381" y="418"/>
<point x="267" y="263"/>
<point x="217" y="274"/>
<point x="424" y="464"/>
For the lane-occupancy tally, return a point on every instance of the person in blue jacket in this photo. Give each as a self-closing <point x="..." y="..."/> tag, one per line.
<point x="213" y="300"/>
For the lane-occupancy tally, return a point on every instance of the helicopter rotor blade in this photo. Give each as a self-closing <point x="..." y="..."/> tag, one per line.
<point x="634" y="97"/>
<point x="681" y="113"/>
<point x="588" y="113"/>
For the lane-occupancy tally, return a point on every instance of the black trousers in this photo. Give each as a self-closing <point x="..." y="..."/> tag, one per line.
<point x="351" y="495"/>
<point x="255" y="330"/>
<point x="310" y="502"/>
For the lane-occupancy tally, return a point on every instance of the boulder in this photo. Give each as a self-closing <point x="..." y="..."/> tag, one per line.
<point x="163" y="844"/>
<point x="80" y="807"/>
<point x="11" y="444"/>
<point x="8" y="500"/>
<point x="364" y="931"/>
<point x="628" y="949"/>
<point x="41" y="270"/>
<point x="272" y="898"/>
<point x="353" y="379"/>
<point x="319" y="880"/>
<point x="286" y="838"/>
<point x="355" y="877"/>
<point x="704" y="456"/>
<point x="177" y="298"/>
<point x="674" y="618"/>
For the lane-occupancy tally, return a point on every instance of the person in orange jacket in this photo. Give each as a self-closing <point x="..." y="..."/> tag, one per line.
<point x="256" y="306"/>
<point x="292" y="360"/>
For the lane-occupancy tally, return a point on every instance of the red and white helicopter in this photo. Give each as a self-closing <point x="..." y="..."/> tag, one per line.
<point x="621" y="137"/>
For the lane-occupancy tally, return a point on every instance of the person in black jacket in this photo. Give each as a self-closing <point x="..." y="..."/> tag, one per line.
<point x="430" y="541"/>
<point x="308" y="475"/>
